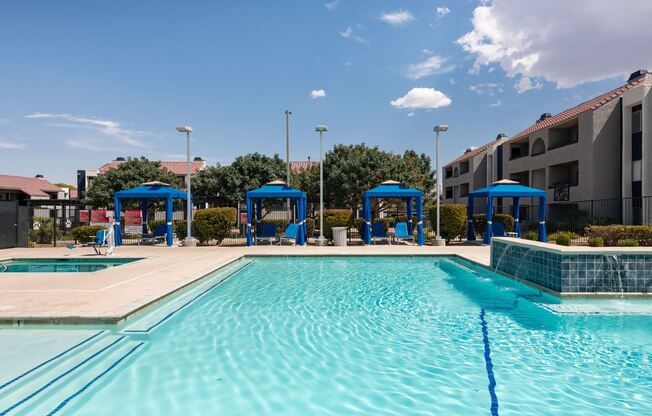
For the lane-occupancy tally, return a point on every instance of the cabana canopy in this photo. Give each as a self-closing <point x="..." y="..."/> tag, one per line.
<point x="506" y="189"/>
<point x="276" y="190"/>
<point x="145" y="192"/>
<point x="393" y="189"/>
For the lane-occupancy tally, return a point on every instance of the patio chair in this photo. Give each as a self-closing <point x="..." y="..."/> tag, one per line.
<point x="401" y="232"/>
<point x="100" y="241"/>
<point x="378" y="233"/>
<point x="266" y="233"/>
<point x="160" y="235"/>
<point x="291" y="234"/>
<point x="498" y="230"/>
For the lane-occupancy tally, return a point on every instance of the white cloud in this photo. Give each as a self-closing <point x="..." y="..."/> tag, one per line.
<point x="11" y="145"/>
<point x="86" y="145"/>
<point x="4" y="120"/>
<point x="332" y="5"/>
<point x="317" y="94"/>
<point x="431" y="66"/>
<point x="486" y="88"/>
<point x="422" y="98"/>
<point x="398" y="18"/>
<point x="496" y="104"/>
<point x="348" y="34"/>
<point x="426" y="51"/>
<point x="410" y="114"/>
<point x="581" y="44"/>
<point x="106" y="127"/>
<point x="348" y="63"/>
<point x="443" y="11"/>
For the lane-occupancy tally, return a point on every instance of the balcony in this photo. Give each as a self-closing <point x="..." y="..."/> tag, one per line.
<point x="562" y="137"/>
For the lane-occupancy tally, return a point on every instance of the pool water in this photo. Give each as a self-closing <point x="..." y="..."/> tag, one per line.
<point x="62" y="265"/>
<point x="339" y="336"/>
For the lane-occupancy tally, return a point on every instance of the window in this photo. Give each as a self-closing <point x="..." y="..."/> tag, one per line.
<point x="517" y="150"/>
<point x="464" y="167"/>
<point x="449" y="192"/>
<point x="464" y="190"/>
<point x="637" y="134"/>
<point x="448" y="172"/>
<point x="456" y="172"/>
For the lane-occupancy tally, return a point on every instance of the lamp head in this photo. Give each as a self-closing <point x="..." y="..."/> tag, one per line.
<point x="321" y="128"/>
<point x="441" y="127"/>
<point x="184" y="129"/>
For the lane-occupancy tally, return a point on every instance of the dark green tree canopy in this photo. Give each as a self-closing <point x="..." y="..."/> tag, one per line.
<point x="132" y="173"/>
<point x="228" y="184"/>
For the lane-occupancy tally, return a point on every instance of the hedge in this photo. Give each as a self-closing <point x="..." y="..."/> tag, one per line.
<point x="213" y="224"/>
<point x="336" y="218"/>
<point x="612" y="234"/>
<point x="85" y="233"/>
<point x="480" y="222"/>
<point x="453" y="220"/>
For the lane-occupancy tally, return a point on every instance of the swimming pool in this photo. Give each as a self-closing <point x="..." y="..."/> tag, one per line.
<point x="61" y="265"/>
<point x="366" y="335"/>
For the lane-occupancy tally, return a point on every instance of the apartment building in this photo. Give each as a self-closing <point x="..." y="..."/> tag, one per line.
<point x="475" y="169"/>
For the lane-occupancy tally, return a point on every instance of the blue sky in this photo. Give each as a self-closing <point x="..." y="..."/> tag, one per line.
<point x="84" y="82"/>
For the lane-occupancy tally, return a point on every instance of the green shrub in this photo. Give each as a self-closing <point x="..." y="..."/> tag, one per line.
<point x="453" y="220"/>
<point x="213" y="224"/>
<point x="85" y="233"/>
<point x="596" y="242"/>
<point x="281" y="224"/>
<point x="44" y="234"/>
<point x="480" y="222"/>
<point x="571" y="235"/>
<point x="180" y="228"/>
<point x="628" y="242"/>
<point x="336" y="218"/>
<point x="563" y="239"/>
<point x="152" y="224"/>
<point x="532" y="235"/>
<point x="612" y="234"/>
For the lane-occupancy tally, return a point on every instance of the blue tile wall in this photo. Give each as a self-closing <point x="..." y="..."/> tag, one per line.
<point x="574" y="272"/>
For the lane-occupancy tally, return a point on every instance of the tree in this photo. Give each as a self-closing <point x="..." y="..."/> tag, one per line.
<point x="228" y="184"/>
<point x="131" y="173"/>
<point x="65" y="185"/>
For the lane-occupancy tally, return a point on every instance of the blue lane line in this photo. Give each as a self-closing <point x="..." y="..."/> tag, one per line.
<point x="59" y="377"/>
<point x="90" y="383"/>
<point x="49" y="361"/>
<point x="489" y="365"/>
<point x="169" y="315"/>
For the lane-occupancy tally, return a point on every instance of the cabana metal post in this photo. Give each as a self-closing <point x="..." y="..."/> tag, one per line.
<point x="506" y="190"/>
<point x="392" y="189"/>
<point x="145" y="192"/>
<point x="276" y="190"/>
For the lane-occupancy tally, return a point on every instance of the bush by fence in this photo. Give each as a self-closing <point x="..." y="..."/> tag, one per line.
<point x="480" y="222"/>
<point x="85" y="233"/>
<point x="213" y="224"/>
<point x="453" y="220"/>
<point x="336" y="218"/>
<point x="613" y="234"/>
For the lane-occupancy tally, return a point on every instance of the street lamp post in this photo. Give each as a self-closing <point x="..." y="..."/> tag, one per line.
<point x="288" y="113"/>
<point x="321" y="129"/>
<point x="188" y="241"/>
<point x="438" y="241"/>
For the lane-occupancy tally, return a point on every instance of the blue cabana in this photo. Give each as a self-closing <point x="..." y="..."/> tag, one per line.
<point x="145" y="192"/>
<point x="276" y="190"/>
<point x="506" y="189"/>
<point x="393" y="189"/>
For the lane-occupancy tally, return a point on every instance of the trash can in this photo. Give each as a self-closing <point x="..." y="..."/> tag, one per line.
<point x="339" y="236"/>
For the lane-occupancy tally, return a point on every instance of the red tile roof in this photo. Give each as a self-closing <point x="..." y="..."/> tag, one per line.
<point x="297" y="167"/>
<point x="31" y="186"/>
<point x="177" y="168"/>
<point x="476" y="151"/>
<point x="573" y="112"/>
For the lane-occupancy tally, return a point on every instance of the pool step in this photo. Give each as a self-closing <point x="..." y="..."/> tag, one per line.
<point x="53" y="382"/>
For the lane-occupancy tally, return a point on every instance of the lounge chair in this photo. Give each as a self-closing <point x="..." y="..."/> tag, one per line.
<point x="498" y="230"/>
<point x="291" y="234"/>
<point x="378" y="233"/>
<point x="401" y="232"/>
<point x="267" y="233"/>
<point x="160" y="235"/>
<point x="100" y="241"/>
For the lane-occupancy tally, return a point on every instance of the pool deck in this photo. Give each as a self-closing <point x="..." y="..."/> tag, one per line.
<point x="112" y="295"/>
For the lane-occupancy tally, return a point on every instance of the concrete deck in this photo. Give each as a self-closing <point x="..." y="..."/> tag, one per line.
<point x="110" y="296"/>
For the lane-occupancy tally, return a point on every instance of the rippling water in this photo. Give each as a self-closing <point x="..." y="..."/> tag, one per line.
<point x="401" y="336"/>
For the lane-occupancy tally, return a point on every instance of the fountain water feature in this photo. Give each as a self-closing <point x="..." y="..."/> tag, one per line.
<point x="615" y="280"/>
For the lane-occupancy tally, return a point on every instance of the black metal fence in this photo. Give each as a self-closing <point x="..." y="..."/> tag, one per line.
<point x="13" y="224"/>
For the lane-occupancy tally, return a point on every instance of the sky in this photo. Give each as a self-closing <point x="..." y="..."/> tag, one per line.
<point x="84" y="82"/>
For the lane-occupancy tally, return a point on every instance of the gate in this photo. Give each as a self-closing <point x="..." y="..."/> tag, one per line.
<point x="13" y="224"/>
